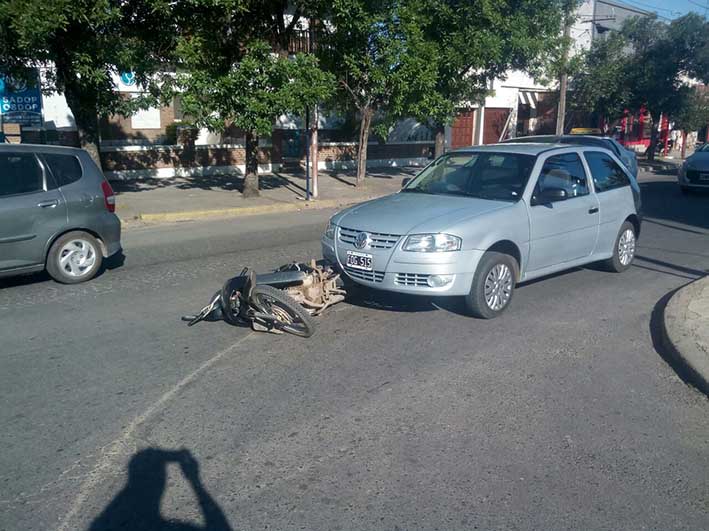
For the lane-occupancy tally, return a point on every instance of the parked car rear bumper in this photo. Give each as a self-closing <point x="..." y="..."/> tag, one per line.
<point x="109" y="229"/>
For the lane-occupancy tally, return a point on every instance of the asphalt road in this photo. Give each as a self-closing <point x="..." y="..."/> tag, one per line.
<point x="400" y="413"/>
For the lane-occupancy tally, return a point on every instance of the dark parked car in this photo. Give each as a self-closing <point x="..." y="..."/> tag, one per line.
<point x="694" y="172"/>
<point x="626" y="156"/>
<point x="56" y="213"/>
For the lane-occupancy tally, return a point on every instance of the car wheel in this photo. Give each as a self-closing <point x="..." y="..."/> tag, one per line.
<point x="75" y="257"/>
<point x="624" y="249"/>
<point x="493" y="285"/>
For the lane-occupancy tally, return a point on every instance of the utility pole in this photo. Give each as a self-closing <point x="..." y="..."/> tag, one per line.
<point x="314" y="122"/>
<point x="564" y="77"/>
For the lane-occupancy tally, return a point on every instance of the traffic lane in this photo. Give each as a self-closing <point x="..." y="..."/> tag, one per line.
<point x="403" y="412"/>
<point x="79" y="363"/>
<point x="178" y="242"/>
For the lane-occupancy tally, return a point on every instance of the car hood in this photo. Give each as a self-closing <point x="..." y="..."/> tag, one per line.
<point x="402" y="213"/>
<point x="699" y="161"/>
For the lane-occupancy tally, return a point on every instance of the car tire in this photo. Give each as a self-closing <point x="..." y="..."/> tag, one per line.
<point x="623" y="249"/>
<point x="74" y="257"/>
<point x="493" y="285"/>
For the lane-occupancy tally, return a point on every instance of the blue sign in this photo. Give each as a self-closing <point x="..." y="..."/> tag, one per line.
<point x="128" y="78"/>
<point x="20" y="103"/>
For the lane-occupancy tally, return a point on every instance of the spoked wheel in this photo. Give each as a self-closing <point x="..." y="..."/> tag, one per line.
<point x="289" y="316"/>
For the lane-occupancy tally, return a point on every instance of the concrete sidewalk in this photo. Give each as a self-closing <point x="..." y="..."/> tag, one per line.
<point x="686" y="324"/>
<point x="189" y="198"/>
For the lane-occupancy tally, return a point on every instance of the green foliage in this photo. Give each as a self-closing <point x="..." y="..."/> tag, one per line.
<point x="694" y="111"/>
<point x="475" y="42"/>
<point x="251" y="92"/>
<point x="648" y="63"/>
<point x="600" y="85"/>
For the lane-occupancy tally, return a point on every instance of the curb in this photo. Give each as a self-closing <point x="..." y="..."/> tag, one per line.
<point x="681" y="339"/>
<point x="193" y="215"/>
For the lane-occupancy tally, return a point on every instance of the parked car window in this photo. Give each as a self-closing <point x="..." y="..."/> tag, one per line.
<point x="20" y="173"/>
<point x="65" y="168"/>
<point x="606" y="173"/>
<point x="486" y="175"/>
<point x="563" y="171"/>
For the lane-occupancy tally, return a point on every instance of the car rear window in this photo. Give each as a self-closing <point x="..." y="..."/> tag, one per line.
<point x="20" y="173"/>
<point x="66" y="169"/>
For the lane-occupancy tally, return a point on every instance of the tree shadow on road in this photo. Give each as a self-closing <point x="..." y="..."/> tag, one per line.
<point x="663" y="201"/>
<point x="137" y="506"/>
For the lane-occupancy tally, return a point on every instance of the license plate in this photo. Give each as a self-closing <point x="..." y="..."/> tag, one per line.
<point x="704" y="176"/>
<point x="357" y="260"/>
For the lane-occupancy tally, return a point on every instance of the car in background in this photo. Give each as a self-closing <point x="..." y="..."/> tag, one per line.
<point x="478" y="220"/>
<point x="56" y="213"/>
<point x="694" y="172"/>
<point x="626" y="156"/>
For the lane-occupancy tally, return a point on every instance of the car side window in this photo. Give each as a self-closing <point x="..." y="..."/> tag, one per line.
<point x="66" y="169"/>
<point x="606" y="173"/>
<point x="562" y="171"/>
<point x="20" y="173"/>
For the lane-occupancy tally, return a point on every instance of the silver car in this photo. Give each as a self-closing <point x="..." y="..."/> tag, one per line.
<point x="694" y="172"/>
<point x="56" y="213"/>
<point x="477" y="221"/>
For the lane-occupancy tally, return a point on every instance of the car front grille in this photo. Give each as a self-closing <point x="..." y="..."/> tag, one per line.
<point x="379" y="240"/>
<point x="369" y="276"/>
<point x="411" y="279"/>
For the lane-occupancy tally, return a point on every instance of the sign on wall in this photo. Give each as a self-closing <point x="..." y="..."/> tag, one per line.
<point x="20" y="103"/>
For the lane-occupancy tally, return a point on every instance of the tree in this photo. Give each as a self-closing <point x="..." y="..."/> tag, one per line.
<point x="80" y="44"/>
<point x="476" y="42"/>
<point x="228" y="77"/>
<point x="649" y="63"/>
<point x="599" y="87"/>
<point x="693" y="114"/>
<point x="377" y="51"/>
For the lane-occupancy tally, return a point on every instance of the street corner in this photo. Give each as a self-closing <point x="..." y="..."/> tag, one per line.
<point x="686" y="331"/>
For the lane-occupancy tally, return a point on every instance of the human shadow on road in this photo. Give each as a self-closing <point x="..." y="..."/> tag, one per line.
<point x="137" y="506"/>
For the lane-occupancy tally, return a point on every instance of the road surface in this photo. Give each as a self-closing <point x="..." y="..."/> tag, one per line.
<point x="400" y="413"/>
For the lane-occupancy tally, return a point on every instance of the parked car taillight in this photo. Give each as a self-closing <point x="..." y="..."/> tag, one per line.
<point x="108" y="196"/>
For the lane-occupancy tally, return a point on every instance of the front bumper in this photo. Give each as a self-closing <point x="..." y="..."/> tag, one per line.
<point x="408" y="272"/>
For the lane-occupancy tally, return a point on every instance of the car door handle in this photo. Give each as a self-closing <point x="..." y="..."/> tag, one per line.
<point x="48" y="204"/>
<point x="593" y="210"/>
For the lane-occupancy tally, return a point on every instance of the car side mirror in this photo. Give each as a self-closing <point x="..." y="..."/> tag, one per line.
<point x="551" y="195"/>
<point x="405" y="181"/>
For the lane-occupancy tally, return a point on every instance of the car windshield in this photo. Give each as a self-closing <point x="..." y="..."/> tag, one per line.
<point x="704" y="148"/>
<point x="486" y="175"/>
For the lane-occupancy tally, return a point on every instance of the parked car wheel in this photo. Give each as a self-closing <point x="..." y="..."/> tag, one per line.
<point x="493" y="285"/>
<point x="75" y="257"/>
<point x="624" y="249"/>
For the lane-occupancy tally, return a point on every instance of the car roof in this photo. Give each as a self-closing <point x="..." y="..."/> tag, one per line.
<point x="40" y="148"/>
<point x="556" y="138"/>
<point x="522" y="148"/>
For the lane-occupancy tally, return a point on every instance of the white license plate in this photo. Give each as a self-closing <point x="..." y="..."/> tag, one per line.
<point x="704" y="176"/>
<point x="357" y="260"/>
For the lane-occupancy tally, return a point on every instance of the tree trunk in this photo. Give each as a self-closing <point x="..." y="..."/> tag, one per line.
<point x="365" y="122"/>
<point x="440" y="143"/>
<point x="251" y="184"/>
<point x="314" y="153"/>
<point x="86" y="120"/>
<point x="650" y="153"/>
<point x="684" y="143"/>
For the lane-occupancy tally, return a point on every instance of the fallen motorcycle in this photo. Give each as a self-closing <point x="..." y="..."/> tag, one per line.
<point x="283" y="301"/>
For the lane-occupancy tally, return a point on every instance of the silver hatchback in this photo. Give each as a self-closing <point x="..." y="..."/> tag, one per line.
<point x="56" y="213"/>
<point x="477" y="221"/>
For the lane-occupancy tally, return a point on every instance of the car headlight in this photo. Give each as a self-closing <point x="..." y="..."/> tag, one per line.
<point x="432" y="243"/>
<point x="330" y="230"/>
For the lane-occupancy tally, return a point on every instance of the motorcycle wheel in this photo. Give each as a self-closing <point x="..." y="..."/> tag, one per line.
<point x="290" y="316"/>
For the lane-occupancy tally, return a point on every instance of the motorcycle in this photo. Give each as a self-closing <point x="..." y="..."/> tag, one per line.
<point x="283" y="301"/>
